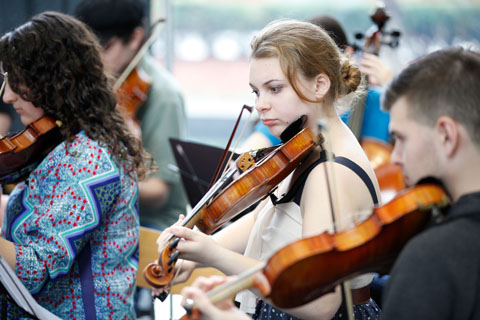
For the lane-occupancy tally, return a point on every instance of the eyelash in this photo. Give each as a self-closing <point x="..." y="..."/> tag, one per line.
<point x="272" y="89"/>
<point x="275" y="89"/>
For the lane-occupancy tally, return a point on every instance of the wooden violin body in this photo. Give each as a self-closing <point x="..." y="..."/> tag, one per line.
<point x="311" y="267"/>
<point x="251" y="186"/>
<point x="255" y="184"/>
<point x="21" y="152"/>
<point x="133" y="84"/>
<point x="389" y="175"/>
<point x="133" y="92"/>
<point x="377" y="151"/>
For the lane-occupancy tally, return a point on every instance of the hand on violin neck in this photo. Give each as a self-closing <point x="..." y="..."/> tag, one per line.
<point x="194" y="245"/>
<point x="379" y="74"/>
<point x="165" y="235"/>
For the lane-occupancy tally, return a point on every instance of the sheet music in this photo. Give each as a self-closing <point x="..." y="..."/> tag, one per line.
<point x="20" y="294"/>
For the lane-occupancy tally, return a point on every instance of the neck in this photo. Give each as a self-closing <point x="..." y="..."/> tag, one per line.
<point x="326" y="114"/>
<point x="464" y="175"/>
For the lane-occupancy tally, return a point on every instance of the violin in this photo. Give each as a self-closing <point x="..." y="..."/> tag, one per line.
<point x="377" y="151"/>
<point x="223" y="202"/>
<point x="22" y="152"/>
<point x="389" y="175"/>
<point x="133" y="92"/>
<point x="132" y="86"/>
<point x="311" y="267"/>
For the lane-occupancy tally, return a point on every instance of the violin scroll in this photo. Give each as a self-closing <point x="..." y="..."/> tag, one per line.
<point x="376" y="36"/>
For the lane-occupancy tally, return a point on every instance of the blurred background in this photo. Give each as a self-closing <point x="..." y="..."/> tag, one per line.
<point x="205" y="43"/>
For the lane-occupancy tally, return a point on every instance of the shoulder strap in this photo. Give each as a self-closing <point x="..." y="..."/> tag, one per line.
<point x="297" y="188"/>
<point x="361" y="173"/>
<point x="295" y="193"/>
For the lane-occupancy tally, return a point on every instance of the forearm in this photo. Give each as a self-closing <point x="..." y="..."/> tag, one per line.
<point x="153" y="192"/>
<point x="230" y="262"/>
<point x="235" y="236"/>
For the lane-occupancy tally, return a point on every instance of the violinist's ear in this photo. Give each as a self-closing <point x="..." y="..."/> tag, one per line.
<point x="136" y="38"/>
<point x="322" y="85"/>
<point x="449" y="135"/>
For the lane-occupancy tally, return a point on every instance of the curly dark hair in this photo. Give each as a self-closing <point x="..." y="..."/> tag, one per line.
<point x="54" y="62"/>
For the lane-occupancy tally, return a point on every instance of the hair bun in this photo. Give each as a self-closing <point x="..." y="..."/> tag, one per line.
<point x="351" y="77"/>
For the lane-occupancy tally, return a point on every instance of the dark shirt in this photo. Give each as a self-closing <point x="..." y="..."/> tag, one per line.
<point x="437" y="275"/>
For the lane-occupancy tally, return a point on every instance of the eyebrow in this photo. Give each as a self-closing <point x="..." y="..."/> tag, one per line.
<point x="266" y="83"/>
<point x="394" y="133"/>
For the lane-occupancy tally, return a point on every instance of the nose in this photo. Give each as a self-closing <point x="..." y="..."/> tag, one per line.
<point x="261" y="105"/>
<point x="8" y="95"/>
<point x="396" y="156"/>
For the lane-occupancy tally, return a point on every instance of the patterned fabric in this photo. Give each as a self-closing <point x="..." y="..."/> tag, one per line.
<point x="74" y="224"/>
<point x="364" y="311"/>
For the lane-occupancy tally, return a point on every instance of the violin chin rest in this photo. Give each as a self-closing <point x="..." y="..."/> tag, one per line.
<point x="293" y="128"/>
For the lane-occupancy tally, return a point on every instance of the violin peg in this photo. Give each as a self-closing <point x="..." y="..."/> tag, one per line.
<point x="173" y="258"/>
<point x="174" y="243"/>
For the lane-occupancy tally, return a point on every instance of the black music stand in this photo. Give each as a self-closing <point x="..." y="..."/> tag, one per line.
<point x="196" y="164"/>
<point x="13" y="293"/>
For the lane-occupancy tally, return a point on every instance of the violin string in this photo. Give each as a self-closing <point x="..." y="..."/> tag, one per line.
<point x="180" y="263"/>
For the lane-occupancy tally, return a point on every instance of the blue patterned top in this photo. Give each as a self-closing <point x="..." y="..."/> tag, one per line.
<point x="74" y="223"/>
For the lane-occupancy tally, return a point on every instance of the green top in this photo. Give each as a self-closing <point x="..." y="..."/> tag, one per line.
<point x="161" y="117"/>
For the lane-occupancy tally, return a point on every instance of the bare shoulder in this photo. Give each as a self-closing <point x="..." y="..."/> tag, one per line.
<point x="334" y="189"/>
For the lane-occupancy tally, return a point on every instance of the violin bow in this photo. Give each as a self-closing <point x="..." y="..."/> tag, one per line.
<point x="225" y="152"/>
<point x="333" y="201"/>
<point x="136" y="59"/>
<point x="5" y="78"/>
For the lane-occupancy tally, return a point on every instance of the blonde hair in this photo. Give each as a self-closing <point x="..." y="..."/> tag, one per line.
<point x="306" y="49"/>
